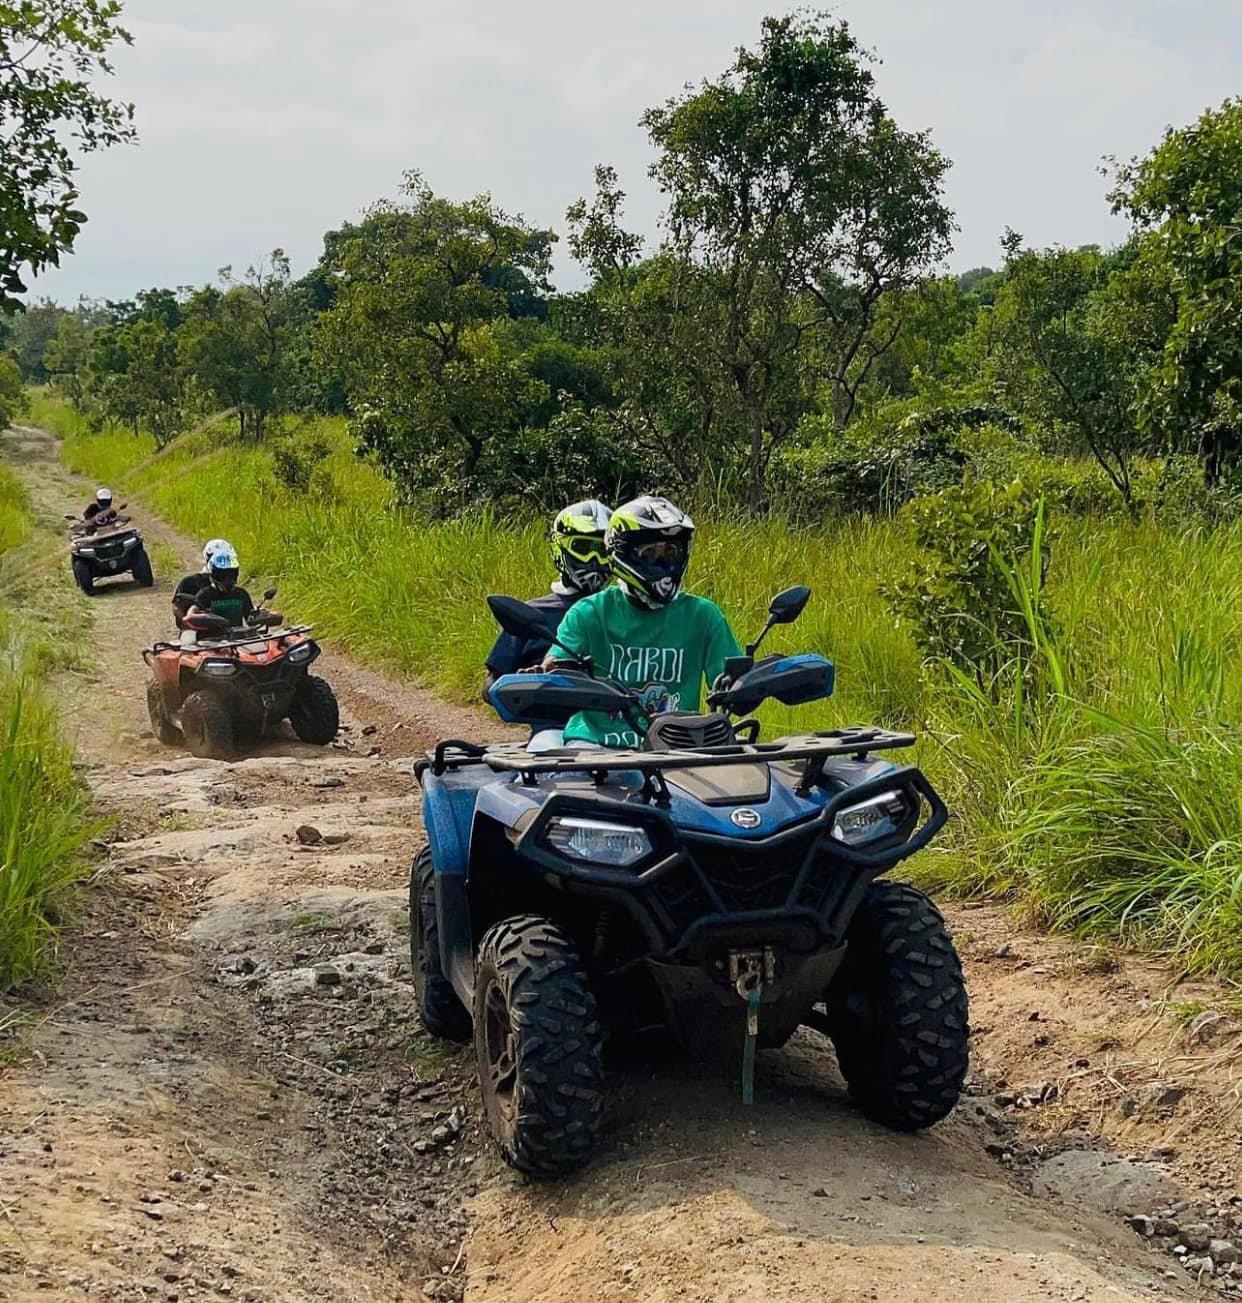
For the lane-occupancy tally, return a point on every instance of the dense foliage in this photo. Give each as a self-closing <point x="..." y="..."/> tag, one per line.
<point x="51" y="52"/>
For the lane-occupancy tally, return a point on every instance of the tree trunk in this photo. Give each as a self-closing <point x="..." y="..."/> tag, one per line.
<point x="755" y="417"/>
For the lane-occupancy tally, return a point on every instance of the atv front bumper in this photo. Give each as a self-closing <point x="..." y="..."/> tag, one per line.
<point x="697" y="896"/>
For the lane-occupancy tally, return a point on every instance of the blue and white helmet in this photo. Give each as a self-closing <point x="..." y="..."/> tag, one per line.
<point x="211" y="547"/>
<point x="223" y="566"/>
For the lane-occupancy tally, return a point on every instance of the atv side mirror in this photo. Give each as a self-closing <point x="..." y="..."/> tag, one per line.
<point x="784" y="608"/>
<point x="787" y="606"/>
<point x="267" y="596"/>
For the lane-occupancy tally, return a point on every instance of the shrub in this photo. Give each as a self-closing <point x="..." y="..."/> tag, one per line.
<point x="957" y="594"/>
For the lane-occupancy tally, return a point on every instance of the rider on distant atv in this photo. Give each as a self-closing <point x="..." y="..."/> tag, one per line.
<point x="581" y="559"/>
<point x="220" y="593"/>
<point x="644" y="631"/>
<point x="190" y="587"/>
<point x="101" y="506"/>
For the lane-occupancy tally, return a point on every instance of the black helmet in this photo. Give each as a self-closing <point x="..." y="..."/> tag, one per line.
<point x="649" y="540"/>
<point x="578" y="547"/>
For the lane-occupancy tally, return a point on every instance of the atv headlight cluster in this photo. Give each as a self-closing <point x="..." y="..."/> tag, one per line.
<point x="594" y="841"/>
<point x="86" y="551"/>
<point x="219" y="669"/>
<point x="881" y="816"/>
<point x="302" y="652"/>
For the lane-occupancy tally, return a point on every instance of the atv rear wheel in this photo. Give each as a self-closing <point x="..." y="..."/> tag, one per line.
<point x="539" y="1046"/>
<point x="207" y="725"/>
<point x="83" y="578"/>
<point x="898" y="1010"/>
<point x="142" y="569"/>
<point x="163" y="728"/>
<point x="315" y="716"/>
<point x="441" y="1012"/>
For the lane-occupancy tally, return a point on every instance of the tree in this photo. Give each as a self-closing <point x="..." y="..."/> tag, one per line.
<point x="141" y="380"/>
<point x="798" y="201"/>
<point x="1188" y="193"/>
<point x="66" y="359"/>
<point x="417" y="332"/>
<point x="12" y="392"/>
<point x="1070" y="340"/>
<point x="233" y="341"/>
<point x="51" y="53"/>
<point x="31" y="332"/>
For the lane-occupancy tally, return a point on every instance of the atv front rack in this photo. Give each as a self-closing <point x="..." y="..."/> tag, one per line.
<point x="813" y="749"/>
<point x="260" y="634"/>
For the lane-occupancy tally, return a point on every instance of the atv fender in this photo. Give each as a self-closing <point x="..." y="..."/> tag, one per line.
<point x="448" y="812"/>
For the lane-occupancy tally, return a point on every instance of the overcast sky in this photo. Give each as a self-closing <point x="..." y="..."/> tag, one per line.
<point x="266" y="122"/>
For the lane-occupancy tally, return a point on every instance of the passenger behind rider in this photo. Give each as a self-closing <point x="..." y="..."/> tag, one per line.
<point x="581" y="559"/>
<point x="102" y="505"/>
<point x="644" y="631"/>
<point x="189" y="588"/>
<point x="220" y="593"/>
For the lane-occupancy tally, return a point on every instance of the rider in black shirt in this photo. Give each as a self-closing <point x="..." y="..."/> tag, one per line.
<point x="189" y="588"/>
<point x="220" y="593"/>
<point x="582" y="562"/>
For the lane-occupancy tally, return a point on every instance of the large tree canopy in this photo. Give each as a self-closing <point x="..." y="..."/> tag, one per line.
<point x="51" y="51"/>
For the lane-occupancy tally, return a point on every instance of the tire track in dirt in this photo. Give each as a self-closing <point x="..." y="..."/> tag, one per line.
<point x="228" y="1097"/>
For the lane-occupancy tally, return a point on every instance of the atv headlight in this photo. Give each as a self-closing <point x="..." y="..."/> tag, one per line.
<point x="881" y="816"/>
<point x="595" y="842"/>
<point x="129" y="542"/>
<point x="219" y="669"/>
<point x="302" y="652"/>
<point x="86" y="551"/>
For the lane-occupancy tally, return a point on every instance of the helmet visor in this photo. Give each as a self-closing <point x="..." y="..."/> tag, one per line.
<point x="661" y="552"/>
<point x="585" y="548"/>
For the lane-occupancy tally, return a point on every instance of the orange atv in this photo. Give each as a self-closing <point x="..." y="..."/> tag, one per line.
<point x="222" y="686"/>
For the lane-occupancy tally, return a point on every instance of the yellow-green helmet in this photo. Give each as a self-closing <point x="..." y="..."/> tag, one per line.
<point x="578" y="548"/>
<point x="649" y="541"/>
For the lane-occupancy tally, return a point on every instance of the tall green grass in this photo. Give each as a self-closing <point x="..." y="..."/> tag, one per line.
<point x="1107" y="801"/>
<point x="44" y="810"/>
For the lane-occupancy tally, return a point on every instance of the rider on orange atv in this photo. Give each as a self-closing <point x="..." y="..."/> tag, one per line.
<point x="221" y="594"/>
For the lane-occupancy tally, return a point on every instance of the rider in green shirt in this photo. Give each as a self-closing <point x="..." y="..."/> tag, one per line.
<point x="645" y="632"/>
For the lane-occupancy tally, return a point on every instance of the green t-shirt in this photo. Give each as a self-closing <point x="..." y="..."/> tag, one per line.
<point x="666" y="654"/>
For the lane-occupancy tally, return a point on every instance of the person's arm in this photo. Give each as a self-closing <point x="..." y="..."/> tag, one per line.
<point x="721" y="643"/>
<point x="247" y="604"/>
<point x="572" y="640"/>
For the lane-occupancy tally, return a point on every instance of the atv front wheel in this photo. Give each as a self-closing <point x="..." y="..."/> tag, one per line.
<point x="163" y="728"/>
<point x="441" y="1012"/>
<point x="207" y="726"/>
<point x="315" y="716"/>
<point x="539" y="1046"/>
<point x="898" y="1010"/>
<point x="83" y="578"/>
<point x="142" y="569"/>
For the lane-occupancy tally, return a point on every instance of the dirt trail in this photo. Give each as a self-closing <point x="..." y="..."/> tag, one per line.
<point x="229" y="1096"/>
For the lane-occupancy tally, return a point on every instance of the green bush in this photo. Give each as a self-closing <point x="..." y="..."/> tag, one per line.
<point x="957" y="593"/>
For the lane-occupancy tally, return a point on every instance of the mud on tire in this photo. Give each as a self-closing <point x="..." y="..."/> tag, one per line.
<point x="898" y="1010"/>
<point x="315" y="716"/>
<point x="207" y="726"/>
<point x="538" y="1041"/>
<point x="163" y="728"/>
<point x="441" y="1012"/>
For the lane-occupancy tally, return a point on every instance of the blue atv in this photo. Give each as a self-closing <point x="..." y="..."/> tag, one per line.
<point x="709" y="885"/>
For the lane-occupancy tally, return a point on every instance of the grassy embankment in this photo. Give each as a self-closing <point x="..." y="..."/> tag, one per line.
<point x="44" y="809"/>
<point x="1109" y="802"/>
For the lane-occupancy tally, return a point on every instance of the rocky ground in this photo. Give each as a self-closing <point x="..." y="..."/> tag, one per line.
<point x="228" y="1093"/>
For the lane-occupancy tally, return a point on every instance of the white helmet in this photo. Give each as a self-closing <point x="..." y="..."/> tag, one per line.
<point x="211" y="547"/>
<point x="103" y="497"/>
